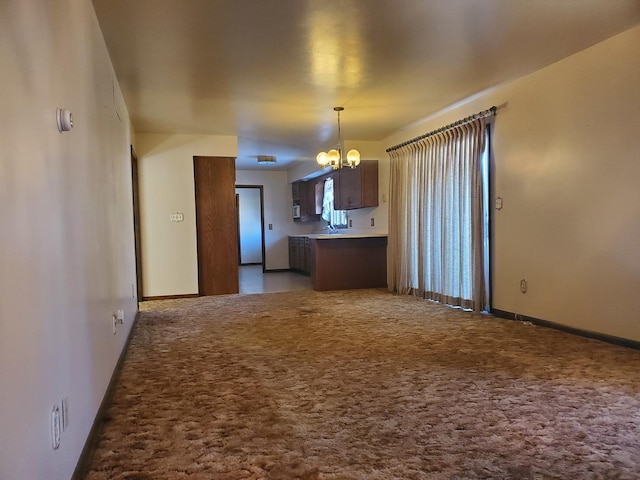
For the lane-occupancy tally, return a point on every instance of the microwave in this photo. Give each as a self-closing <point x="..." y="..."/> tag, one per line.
<point x="296" y="211"/>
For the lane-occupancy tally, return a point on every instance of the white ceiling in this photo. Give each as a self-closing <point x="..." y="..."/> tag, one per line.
<point x="271" y="71"/>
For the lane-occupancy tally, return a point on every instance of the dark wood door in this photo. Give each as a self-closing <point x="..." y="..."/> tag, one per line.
<point x="216" y="225"/>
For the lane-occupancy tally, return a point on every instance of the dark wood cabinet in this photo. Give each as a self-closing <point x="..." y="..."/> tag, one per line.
<point x="304" y="194"/>
<point x="356" y="187"/>
<point x="340" y="263"/>
<point x="346" y="263"/>
<point x="306" y="256"/>
<point x="295" y="191"/>
<point x="292" y="253"/>
<point x="352" y="188"/>
<point x="300" y="254"/>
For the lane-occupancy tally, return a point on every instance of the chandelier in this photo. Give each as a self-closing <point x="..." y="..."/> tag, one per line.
<point x="335" y="157"/>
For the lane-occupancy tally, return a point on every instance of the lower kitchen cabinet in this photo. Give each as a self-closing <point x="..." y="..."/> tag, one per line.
<point x="347" y="263"/>
<point x="300" y="254"/>
<point x="340" y="263"/>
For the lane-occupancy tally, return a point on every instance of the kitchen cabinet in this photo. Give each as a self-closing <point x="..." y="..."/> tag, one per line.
<point x="295" y="191"/>
<point x="352" y="187"/>
<point x="339" y="262"/>
<point x="356" y="187"/>
<point x="346" y="262"/>
<point x="304" y="194"/>
<point x="300" y="254"/>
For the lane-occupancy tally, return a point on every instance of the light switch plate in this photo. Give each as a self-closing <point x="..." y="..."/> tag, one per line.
<point x="55" y="427"/>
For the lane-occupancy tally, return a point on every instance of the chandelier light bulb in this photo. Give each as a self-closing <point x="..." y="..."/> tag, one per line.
<point x="353" y="158"/>
<point x="322" y="159"/>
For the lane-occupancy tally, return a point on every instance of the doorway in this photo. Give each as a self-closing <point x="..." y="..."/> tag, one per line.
<point x="251" y="236"/>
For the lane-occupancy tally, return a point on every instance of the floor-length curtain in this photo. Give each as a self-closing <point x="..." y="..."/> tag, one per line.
<point x="436" y="217"/>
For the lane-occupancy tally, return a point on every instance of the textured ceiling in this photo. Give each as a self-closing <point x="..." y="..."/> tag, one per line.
<point x="271" y="71"/>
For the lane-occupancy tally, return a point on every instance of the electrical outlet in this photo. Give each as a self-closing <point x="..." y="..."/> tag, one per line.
<point x="271" y="226"/>
<point x="523" y="286"/>
<point x="373" y="222"/>
<point x="120" y="317"/>
<point x="350" y="223"/>
<point x="115" y="323"/>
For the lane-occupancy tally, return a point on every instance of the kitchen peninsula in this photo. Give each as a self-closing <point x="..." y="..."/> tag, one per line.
<point x="344" y="261"/>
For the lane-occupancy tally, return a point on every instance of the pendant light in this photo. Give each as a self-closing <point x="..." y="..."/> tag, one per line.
<point x="335" y="157"/>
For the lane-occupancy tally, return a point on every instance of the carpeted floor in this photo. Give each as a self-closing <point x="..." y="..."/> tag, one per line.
<point x="364" y="385"/>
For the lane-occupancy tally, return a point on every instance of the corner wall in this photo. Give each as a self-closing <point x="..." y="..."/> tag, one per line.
<point x="566" y="149"/>
<point x="166" y="183"/>
<point x="66" y="243"/>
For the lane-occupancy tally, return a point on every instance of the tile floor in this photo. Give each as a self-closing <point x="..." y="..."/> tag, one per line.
<point x="252" y="280"/>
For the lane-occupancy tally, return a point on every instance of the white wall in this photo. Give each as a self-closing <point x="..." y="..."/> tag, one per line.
<point x="567" y="164"/>
<point x="66" y="242"/>
<point x="166" y="182"/>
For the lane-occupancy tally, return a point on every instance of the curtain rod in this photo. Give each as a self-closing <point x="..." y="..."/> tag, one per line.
<point x="482" y="114"/>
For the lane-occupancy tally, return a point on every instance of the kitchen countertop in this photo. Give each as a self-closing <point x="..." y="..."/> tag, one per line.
<point x="337" y="236"/>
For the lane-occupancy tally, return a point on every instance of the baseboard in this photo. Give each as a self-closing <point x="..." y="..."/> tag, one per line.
<point x="250" y="264"/>
<point x="170" y="297"/>
<point x="84" y="462"/>
<point x="278" y="270"/>
<point x="622" y="342"/>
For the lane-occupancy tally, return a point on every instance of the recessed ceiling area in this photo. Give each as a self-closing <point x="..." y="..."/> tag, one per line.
<point x="270" y="72"/>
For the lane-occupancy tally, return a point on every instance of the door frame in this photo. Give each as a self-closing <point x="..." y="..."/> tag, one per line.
<point x="262" y="234"/>
<point x="137" y="238"/>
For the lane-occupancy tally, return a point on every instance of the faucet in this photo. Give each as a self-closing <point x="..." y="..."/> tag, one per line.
<point x="331" y="228"/>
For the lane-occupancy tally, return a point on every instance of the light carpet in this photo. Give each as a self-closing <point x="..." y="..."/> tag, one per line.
<point x="364" y="385"/>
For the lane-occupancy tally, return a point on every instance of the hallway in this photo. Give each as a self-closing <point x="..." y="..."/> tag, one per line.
<point x="252" y="280"/>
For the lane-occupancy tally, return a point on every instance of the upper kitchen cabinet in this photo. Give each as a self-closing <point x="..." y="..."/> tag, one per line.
<point x="305" y="197"/>
<point x="356" y="187"/>
<point x="295" y="191"/>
